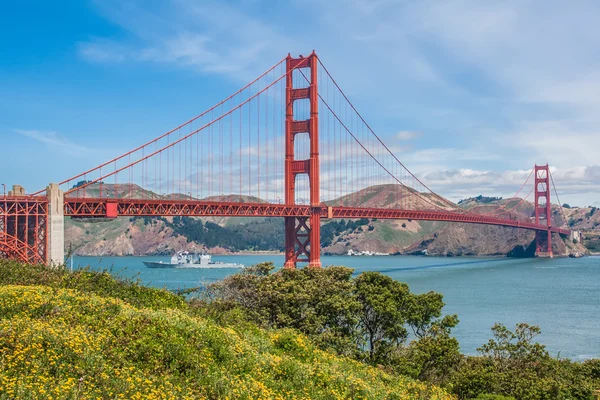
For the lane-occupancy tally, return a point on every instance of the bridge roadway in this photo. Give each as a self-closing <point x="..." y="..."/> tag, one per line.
<point x="112" y="208"/>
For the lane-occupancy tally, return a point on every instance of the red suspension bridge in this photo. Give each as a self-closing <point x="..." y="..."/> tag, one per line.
<point x="289" y="144"/>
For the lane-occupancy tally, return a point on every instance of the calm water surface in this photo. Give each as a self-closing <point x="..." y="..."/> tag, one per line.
<point x="560" y="295"/>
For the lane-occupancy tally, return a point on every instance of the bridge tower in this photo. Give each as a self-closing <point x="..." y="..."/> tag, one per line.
<point x="302" y="234"/>
<point x="543" y="239"/>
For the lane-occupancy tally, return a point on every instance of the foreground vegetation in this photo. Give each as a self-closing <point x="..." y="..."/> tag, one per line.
<point x="88" y="335"/>
<point x="377" y="320"/>
<point x="307" y="333"/>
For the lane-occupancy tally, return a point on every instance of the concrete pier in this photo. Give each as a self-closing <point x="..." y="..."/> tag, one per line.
<point x="17" y="190"/>
<point x="55" y="252"/>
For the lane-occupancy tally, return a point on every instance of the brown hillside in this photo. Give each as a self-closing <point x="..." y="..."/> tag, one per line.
<point x="125" y="237"/>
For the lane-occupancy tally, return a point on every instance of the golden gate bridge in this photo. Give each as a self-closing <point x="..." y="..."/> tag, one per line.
<point x="289" y="144"/>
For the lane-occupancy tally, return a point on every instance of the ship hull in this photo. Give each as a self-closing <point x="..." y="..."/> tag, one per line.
<point x="153" y="264"/>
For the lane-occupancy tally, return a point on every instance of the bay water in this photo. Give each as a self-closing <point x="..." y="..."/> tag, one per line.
<point x="561" y="295"/>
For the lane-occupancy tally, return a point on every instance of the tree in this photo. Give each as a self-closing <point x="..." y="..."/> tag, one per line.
<point x="84" y="182"/>
<point x="431" y="358"/>
<point x="514" y="347"/>
<point x="513" y="364"/>
<point x="424" y="311"/>
<point x="368" y="317"/>
<point x="318" y="302"/>
<point x="435" y="353"/>
<point x="383" y="314"/>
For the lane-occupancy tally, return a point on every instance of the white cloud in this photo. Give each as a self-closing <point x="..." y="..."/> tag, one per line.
<point x="497" y="86"/>
<point x="407" y="135"/>
<point x="101" y="52"/>
<point x="55" y="140"/>
<point x="446" y="156"/>
<point x="208" y="36"/>
<point x="461" y="183"/>
<point x="562" y="143"/>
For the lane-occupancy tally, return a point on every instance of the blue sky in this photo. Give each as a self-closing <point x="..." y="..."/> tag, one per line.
<point x="472" y="93"/>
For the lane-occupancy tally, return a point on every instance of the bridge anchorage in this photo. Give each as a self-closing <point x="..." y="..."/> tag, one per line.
<point x="291" y="133"/>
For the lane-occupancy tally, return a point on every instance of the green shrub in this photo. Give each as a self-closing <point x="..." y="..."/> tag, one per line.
<point x="102" y="283"/>
<point x="512" y="364"/>
<point x="368" y="317"/>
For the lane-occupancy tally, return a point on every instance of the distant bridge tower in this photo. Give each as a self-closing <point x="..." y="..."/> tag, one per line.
<point x="302" y="234"/>
<point x="543" y="239"/>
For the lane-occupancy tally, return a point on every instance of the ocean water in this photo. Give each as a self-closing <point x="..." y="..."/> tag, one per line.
<point x="561" y="295"/>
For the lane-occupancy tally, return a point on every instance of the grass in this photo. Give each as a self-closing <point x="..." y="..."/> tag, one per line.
<point x="89" y="335"/>
<point x="389" y="234"/>
<point x="368" y="196"/>
<point x="102" y="228"/>
<point x="100" y="283"/>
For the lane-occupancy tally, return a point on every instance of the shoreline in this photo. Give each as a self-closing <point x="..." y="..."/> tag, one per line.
<point x="275" y="253"/>
<point x="281" y="253"/>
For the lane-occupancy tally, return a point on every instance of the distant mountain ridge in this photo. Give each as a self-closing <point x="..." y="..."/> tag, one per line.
<point x="165" y="235"/>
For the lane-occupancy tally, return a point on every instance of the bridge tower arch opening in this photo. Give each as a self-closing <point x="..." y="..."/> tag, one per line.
<point x="543" y="212"/>
<point x="302" y="234"/>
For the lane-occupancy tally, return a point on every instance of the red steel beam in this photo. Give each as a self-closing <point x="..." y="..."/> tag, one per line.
<point x="131" y="207"/>
<point x="19" y="250"/>
<point x="90" y="207"/>
<point x="448" y="216"/>
<point x="23" y="223"/>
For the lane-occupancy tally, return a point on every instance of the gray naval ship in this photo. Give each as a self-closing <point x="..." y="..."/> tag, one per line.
<point x="184" y="259"/>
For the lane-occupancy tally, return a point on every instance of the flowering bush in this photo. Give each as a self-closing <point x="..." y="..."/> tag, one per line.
<point x="64" y="343"/>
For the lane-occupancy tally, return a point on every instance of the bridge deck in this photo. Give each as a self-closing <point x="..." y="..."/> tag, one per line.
<point x="111" y="208"/>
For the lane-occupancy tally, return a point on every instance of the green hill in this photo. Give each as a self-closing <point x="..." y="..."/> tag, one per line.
<point x="88" y="335"/>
